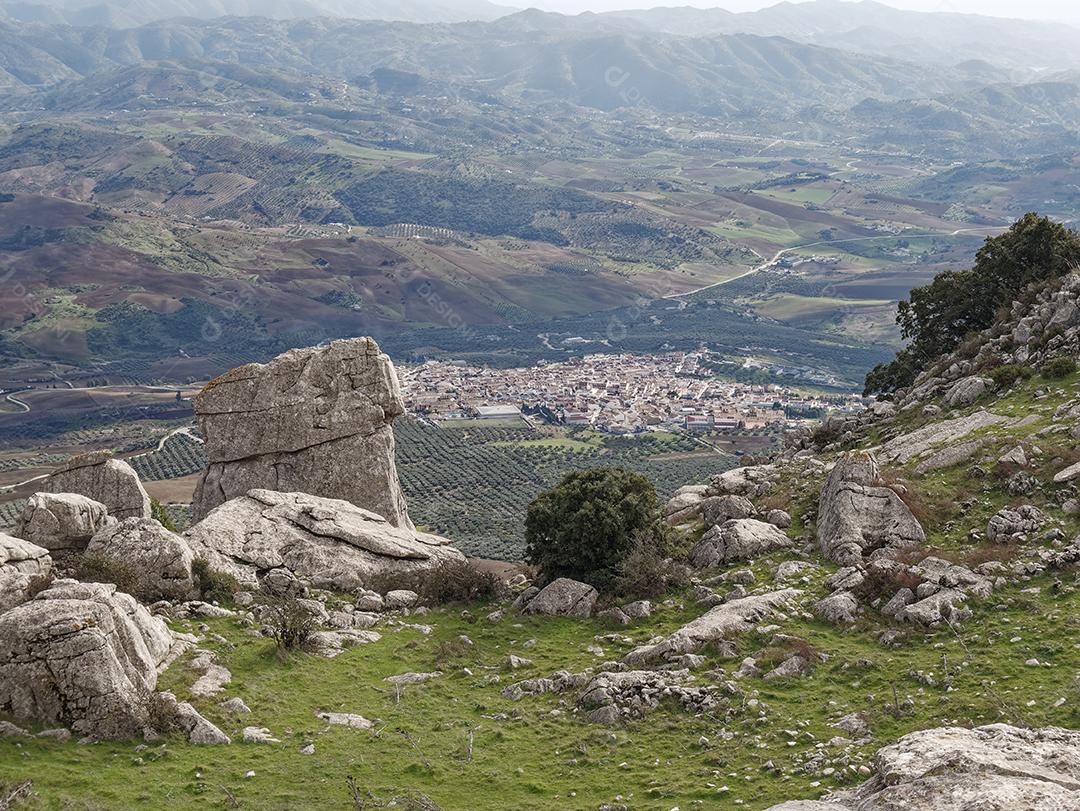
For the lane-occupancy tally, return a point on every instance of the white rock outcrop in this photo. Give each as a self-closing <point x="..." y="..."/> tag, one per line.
<point x="563" y="598"/>
<point x="160" y="560"/>
<point x="989" y="768"/>
<point x="737" y="539"/>
<point x="82" y="655"/>
<point x="327" y="542"/>
<point x="719" y="622"/>
<point x="857" y="515"/>
<point x="314" y="420"/>
<point x="61" y="522"/>
<point x="112" y="482"/>
<point x="22" y="565"/>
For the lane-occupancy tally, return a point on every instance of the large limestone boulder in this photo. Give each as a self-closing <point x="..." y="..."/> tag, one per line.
<point x="61" y="522"/>
<point x="967" y="390"/>
<point x="719" y="623"/>
<point x="990" y="768"/>
<point x="718" y="509"/>
<point x="737" y="539"/>
<point x="112" y="482"/>
<point x="906" y="447"/>
<point x="330" y="543"/>
<point x="314" y="420"/>
<point x="563" y="597"/>
<point x="161" y="560"/>
<point x="684" y="507"/>
<point x="22" y="566"/>
<point x="82" y="655"/>
<point x="752" y="481"/>
<point x="858" y="516"/>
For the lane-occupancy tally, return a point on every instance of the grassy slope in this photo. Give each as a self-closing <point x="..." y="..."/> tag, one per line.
<point x="534" y="758"/>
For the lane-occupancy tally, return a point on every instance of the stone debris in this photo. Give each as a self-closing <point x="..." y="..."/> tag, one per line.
<point x="1007" y="524"/>
<point x="615" y="696"/>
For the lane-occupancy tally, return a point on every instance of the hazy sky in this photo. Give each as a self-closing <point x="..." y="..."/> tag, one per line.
<point x="1034" y="9"/>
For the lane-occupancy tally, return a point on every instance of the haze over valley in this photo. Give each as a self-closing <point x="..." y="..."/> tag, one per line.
<point x="715" y="366"/>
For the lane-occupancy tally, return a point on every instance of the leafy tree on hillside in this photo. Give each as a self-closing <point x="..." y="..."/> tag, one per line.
<point x="586" y="525"/>
<point x="957" y="303"/>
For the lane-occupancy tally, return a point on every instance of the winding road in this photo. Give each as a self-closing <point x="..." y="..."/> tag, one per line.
<point x="15" y="401"/>
<point x="776" y="257"/>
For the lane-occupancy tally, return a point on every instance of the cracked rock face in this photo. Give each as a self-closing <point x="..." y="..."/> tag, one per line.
<point x="990" y="768"/>
<point x="314" y="420"/>
<point x="82" y="655"/>
<point x="161" y="560"/>
<point x="858" y="516"/>
<point x="21" y="562"/>
<point x="737" y="539"/>
<point x="564" y="598"/>
<point x="113" y="482"/>
<point x="61" y="522"/>
<point x="330" y="543"/>
<point x="721" y="622"/>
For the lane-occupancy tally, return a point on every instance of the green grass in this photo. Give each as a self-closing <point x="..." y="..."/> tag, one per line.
<point x="800" y="194"/>
<point x="526" y="755"/>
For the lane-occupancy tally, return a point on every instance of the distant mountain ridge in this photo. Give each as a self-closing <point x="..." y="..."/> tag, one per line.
<point x="875" y="28"/>
<point x="134" y="13"/>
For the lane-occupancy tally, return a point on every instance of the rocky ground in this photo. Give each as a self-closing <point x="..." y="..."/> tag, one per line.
<point x="882" y="618"/>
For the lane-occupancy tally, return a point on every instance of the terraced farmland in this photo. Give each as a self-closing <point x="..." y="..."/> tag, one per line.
<point x="475" y="484"/>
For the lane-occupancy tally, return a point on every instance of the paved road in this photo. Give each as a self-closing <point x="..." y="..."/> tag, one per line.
<point x="11" y="398"/>
<point x="776" y="257"/>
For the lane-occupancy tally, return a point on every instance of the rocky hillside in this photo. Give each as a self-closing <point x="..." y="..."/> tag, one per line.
<point x="883" y="617"/>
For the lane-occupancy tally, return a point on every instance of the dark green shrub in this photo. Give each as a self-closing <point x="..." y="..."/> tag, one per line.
<point x="213" y="585"/>
<point x="1005" y="376"/>
<point x="161" y="515"/>
<point x="586" y="526"/>
<point x="1059" y="367"/>
<point x="959" y="303"/>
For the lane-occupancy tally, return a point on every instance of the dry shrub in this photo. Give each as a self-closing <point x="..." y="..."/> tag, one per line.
<point x="650" y="570"/>
<point x="91" y="568"/>
<point x="996" y="552"/>
<point x="884" y="583"/>
<point x="774" y="655"/>
<point x="451" y="582"/>
<point x="289" y="621"/>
